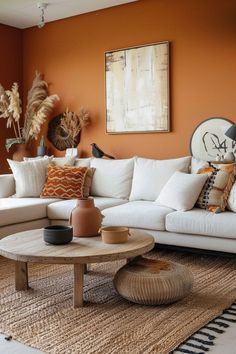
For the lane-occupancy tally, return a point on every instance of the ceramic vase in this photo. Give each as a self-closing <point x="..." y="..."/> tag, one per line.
<point x="85" y="218"/>
<point x="21" y="151"/>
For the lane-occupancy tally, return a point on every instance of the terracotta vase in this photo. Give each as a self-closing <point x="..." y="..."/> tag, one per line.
<point x="85" y="218"/>
<point x="20" y="152"/>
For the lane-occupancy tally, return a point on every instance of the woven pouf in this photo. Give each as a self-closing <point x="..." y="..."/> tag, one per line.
<point x="153" y="282"/>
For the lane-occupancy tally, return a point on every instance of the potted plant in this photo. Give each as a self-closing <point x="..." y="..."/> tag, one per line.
<point x="39" y="106"/>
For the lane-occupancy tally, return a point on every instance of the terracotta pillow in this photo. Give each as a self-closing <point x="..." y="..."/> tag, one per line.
<point x="215" y="192"/>
<point x="67" y="182"/>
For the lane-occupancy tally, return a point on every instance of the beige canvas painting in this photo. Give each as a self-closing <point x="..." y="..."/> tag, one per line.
<point x="137" y="89"/>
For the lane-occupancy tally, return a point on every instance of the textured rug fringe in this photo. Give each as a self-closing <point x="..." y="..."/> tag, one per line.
<point x="203" y="340"/>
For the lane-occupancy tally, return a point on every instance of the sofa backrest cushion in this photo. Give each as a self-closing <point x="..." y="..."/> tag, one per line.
<point x="83" y="162"/>
<point x="150" y="176"/>
<point x="197" y="165"/>
<point x="63" y="161"/>
<point x="232" y="199"/>
<point x="112" y="178"/>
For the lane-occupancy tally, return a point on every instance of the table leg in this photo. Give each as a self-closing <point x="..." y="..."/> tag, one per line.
<point x="78" y="284"/>
<point x="21" y="276"/>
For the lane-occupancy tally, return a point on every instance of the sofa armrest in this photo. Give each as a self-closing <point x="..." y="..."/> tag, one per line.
<point x="7" y="185"/>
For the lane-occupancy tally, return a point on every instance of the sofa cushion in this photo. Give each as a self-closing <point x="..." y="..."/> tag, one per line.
<point x="197" y="165"/>
<point x="17" y="210"/>
<point x="112" y="178"/>
<point x="150" y="176"/>
<point x="61" y="210"/>
<point x="29" y="176"/>
<point x="202" y="222"/>
<point x="65" y="182"/>
<point x="216" y="190"/>
<point x="83" y="162"/>
<point x="137" y="214"/>
<point x="64" y="160"/>
<point x="181" y="191"/>
<point x="231" y="205"/>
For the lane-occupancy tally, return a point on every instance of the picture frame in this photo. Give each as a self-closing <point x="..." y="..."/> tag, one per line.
<point x="137" y="89"/>
<point x="209" y="140"/>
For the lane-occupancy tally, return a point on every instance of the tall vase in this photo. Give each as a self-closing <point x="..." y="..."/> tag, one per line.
<point x="20" y="152"/>
<point x="85" y="218"/>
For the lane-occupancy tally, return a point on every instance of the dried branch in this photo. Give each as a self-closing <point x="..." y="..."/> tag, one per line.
<point x="71" y="123"/>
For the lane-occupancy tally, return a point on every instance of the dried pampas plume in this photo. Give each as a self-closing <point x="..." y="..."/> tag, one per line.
<point x="39" y="106"/>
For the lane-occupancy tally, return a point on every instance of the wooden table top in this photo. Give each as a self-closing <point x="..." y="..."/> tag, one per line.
<point x="29" y="246"/>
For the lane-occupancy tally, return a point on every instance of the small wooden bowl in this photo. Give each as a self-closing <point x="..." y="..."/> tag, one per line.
<point x="114" y="234"/>
<point x="58" y="234"/>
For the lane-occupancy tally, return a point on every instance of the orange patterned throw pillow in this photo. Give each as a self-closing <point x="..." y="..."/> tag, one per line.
<point x="215" y="192"/>
<point x="66" y="182"/>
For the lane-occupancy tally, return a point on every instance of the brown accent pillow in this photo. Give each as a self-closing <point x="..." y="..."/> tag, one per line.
<point x="215" y="192"/>
<point x="67" y="182"/>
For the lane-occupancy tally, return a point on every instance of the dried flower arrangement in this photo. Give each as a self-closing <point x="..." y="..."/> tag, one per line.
<point x="64" y="130"/>
<point x="39" y="106"/>
<point x="72" y="124"/>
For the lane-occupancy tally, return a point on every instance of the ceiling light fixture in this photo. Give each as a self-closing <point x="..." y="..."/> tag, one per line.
<point x="42" y="6"/>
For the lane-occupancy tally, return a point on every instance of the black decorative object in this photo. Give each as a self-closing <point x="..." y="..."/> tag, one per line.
<point x="58" y="137"/>
<point x="58" y="234"/>
<point x="97" y="152"/>
<point x="231" y="132"/>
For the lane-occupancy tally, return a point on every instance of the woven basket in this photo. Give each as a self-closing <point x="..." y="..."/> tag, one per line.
<point x="153" y="282"/>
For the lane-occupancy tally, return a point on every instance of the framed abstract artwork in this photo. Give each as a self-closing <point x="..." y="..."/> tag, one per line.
<point x="209" y="140"/>
<point x="137" y="89"/>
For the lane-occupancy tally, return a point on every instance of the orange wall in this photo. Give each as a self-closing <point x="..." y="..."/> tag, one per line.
<point x="202" y="34"/>
<point x="10" y="71"/>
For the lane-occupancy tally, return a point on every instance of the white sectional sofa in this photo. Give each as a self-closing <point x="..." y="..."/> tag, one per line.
<point x="125" y="191"/>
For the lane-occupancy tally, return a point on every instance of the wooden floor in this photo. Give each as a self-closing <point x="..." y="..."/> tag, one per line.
<point x="225" y="344"/>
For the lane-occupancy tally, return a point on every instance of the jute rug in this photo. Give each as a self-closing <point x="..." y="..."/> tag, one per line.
<point x="44" y="318"/>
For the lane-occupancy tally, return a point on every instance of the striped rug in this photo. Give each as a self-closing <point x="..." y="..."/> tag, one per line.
<point x="204" y="340"/>
<point x="43" y="317"/>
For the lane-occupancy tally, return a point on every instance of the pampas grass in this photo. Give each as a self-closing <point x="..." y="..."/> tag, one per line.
<point x="39" y="106"/>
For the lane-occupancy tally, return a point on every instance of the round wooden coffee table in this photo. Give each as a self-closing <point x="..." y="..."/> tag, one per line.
<point x="28" y="246"/>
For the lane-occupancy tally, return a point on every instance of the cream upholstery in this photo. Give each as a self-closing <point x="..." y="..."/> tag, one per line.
<point x="202" y="222"/>
<point x="7" y="185"/>
<point x="137" y="214"/>
<point x="17" y="210"/>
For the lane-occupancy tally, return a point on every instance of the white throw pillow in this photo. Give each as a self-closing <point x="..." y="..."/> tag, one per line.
<point x="112" y="178"/>
<point x="150" y="176"/>
<point x="231" y="204"/>
<point x="181" y="191"/>
<point x="29" y="176"/>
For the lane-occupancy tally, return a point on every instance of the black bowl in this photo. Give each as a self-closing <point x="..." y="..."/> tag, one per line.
<point x="58" y="234"/>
